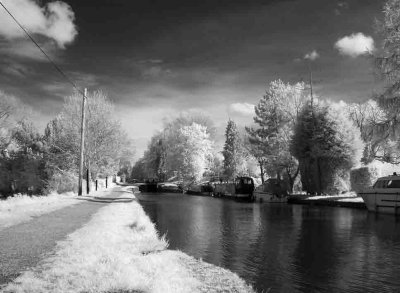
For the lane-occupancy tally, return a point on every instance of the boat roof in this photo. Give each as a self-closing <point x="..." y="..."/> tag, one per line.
<point x="390" y="177"/>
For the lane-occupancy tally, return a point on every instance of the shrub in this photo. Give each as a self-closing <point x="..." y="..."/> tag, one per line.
<point x="63" y="182"/>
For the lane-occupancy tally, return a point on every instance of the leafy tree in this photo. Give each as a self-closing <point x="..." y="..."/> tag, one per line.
<point x="24" y="170"/>
<point x="12" y="111"/>
<point x="104" y="139"/>
<point x="234" y="157"/>
<point x="195" y="148"/>
<point x="165" y="154"/>
<point x="371" y="120"/>
<point x="326" y="144"/>
<point x="155" y="158"/>
<point x="276" y="116"/>
<point x="387" y="61"/>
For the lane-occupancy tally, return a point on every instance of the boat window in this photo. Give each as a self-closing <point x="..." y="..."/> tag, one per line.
<point x="380" y="184"/>
<point x="393" y="184"/>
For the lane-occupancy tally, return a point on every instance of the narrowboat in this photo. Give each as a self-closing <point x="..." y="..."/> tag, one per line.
<point x="384" y="195"/>
<point x="241" y="189"/>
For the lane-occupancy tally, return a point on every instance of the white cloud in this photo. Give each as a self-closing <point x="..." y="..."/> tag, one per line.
<point x="244" y="109"/>
<point x="355" y="45"/>
<point x="54" y="20"/>
<point x="312" y="55"/>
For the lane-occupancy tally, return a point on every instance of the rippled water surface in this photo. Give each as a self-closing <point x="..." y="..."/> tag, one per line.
<point x="284" y="248"/>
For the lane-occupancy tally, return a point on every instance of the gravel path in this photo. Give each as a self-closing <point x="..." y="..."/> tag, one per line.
<point x="23" y="246"/>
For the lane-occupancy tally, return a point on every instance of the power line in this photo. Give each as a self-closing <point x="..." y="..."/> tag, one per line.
<point x="41" y="50"/>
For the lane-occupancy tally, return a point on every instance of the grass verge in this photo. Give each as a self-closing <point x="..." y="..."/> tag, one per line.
<point x="22" y="208"/>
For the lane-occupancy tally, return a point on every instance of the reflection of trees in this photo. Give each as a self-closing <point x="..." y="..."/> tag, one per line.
<point x="316" y="253"/>
<point x="268" y="257"/>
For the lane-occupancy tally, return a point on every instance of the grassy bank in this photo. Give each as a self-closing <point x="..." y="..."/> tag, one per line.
<point x="119" y="250"/>
<point x="22" y="208"/>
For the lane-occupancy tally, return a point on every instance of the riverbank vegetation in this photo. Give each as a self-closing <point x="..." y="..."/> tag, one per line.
<point x="119" y="250"/>
<point x="39" y="163"/>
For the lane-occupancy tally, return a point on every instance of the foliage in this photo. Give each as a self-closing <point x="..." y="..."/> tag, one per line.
<point x="371" y="119"/>
<point x="169" y="151"/>
<point x="387" y="61"/>
<point x="327" y="145"/>
<point x="276" y="115"/>
<point x="195" y="149"/>
<point x="12" y="111"/>
<point x="24" y="169"/>
<point x="104" y="138"/>
<point x="234" y="154"/>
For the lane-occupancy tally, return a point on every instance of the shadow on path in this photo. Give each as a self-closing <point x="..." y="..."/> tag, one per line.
<point x="107" y="199"/>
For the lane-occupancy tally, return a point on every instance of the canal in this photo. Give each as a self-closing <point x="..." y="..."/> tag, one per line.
<point x="284" y="248"/>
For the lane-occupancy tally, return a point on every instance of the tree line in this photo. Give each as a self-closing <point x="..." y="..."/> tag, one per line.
<point x="38" y="163"/>
<point x="307" y="143"/>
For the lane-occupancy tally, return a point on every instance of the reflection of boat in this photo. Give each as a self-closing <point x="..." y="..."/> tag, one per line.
<point x="242" y="189"/>
<point x="384" y="196"/>
<point x="271" y="191"/>
<point x="150" y="185"/>
<point x="169" y="187"/>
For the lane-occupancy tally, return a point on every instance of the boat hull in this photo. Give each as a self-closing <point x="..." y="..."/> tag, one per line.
<point x="382" y="201"/>
<point x="269" y="197"/>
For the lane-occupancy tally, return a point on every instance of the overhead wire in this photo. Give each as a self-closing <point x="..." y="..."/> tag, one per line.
<point x="69" y="80"/>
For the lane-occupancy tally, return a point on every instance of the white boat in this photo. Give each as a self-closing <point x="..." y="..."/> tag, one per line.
<point x="264" y="196"/>
<point x="271" y="191"/>
<point x="384" y="195"/>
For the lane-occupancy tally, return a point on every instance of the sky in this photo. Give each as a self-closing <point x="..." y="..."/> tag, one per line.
<point x="158" y="58"/>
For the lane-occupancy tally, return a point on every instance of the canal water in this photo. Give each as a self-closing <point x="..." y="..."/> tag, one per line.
<point x="284" y="248"/>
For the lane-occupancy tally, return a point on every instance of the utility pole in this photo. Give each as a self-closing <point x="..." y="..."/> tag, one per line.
<point x="82" y="143"/>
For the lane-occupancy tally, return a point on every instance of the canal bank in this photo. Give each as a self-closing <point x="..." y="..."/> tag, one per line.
<point x="120" y="250"/>
<point x="331" y="201"/>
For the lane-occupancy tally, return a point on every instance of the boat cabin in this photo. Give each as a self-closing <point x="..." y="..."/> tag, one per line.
<point x="392" y="181"/>
<point x="244" y="185"/>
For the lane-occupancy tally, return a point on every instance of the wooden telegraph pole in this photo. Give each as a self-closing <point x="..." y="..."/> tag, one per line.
<point x="82" y="143"/>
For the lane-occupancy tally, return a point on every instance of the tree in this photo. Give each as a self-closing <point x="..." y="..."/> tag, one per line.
<point x="276" y="116"/>
<point x="104" y="139"/>
<point x="164" y="156"/>
<point x="195" y="148"/>
<point x="12" y="111"/>
<point x="371" y="120"/>
<point x="24" y="170"/>
<point x="234" y="157"/>
<point x="326" y="144"/>
<point x="387" y="61"/>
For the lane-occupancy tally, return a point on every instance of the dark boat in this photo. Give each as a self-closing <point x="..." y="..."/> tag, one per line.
<point x="241" y="189"/>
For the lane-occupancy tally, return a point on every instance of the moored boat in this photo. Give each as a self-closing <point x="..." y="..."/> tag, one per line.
<point x="204" y="188"/>
<point x="241" y="189"/>
<point x="271" y="191"/>
<point x="384" y="195"/>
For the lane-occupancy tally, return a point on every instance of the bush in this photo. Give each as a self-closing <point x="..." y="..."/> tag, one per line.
<point x="363" y="177"/>
<point x="366" y="176"/>
<point x="63" y="182"/>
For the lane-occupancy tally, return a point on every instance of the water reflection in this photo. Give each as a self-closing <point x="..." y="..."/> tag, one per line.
<point x="284" y="248"/>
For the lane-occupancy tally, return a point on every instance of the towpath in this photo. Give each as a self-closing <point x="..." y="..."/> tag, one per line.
<point x="23" y="246"/>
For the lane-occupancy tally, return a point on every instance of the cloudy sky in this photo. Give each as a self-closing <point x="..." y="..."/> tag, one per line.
<point x="158" y="58"/>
